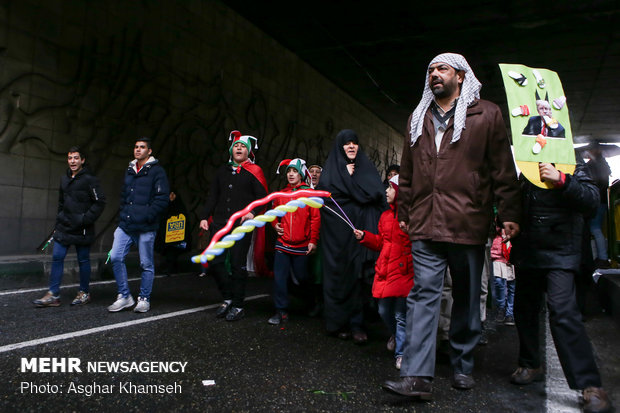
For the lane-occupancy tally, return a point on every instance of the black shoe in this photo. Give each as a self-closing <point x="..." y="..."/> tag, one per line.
<point x="509" y="321"/>
<point x="278" y="317"/>
<point x="410" y="386"/>
<point x="463" y="381"/>
<point x="222" y="310"/>
<point x="500" y="317"/>
<point x="525" y="375"/>
<point x="235" y="314"/>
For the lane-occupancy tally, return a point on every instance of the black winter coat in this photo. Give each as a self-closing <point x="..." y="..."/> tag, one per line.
<point x="144" y="198"/>
<point x="553" y="221"/>
<point x="231" y="192"/>
<point x="80" y="202"/>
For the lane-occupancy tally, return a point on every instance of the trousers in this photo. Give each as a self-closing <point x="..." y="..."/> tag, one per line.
<point x="569" y="335"/>
<point x="430" y="260"/>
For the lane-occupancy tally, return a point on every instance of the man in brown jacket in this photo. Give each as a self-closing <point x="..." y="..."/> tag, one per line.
<point x="456" y="163"/>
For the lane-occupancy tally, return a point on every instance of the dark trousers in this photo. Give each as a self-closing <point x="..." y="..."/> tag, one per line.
<point x="282" y="266"/>
<point x="430" y="260"/>
<point x="569" y="335"/>
<point x="232" y="286"/>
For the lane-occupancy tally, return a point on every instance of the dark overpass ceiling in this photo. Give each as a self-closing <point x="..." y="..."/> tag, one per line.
<point x="378" y="51"/>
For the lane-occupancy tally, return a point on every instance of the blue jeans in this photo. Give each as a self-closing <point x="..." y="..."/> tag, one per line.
<point x="120" y="248"/>
<point x="282" y="265"/>
<point x="393" y="312"/>
<point x="595" y="228"/>
<point x="58" y="265"/>
<point x="504" y="295"/>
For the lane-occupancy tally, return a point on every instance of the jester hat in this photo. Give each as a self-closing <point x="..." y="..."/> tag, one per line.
<point x="299" y="165"/>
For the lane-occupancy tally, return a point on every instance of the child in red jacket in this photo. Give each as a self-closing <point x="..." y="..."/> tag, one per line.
<point x="298" y="235"/>
<point x="393" y="271"/>
<point x="503" y="279"/>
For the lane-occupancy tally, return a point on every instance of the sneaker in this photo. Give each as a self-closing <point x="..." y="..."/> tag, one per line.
<point x="509" y="321"/>
<point x="48" y="300"/>
<point x="81" y="298"/>
<point x="143" y="305"/>
<point x="278" y="317"/>
<point x="234" y="314"/>
<point x="399" y="361"/>
<point x="222" y="310"/>
<point x="121" y="303"/>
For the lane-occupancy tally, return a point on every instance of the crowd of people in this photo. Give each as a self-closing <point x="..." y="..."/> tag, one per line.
<point x="405" y="240"/>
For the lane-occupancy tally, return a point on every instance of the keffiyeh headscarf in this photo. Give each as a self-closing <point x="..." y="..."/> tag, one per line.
<point x="470" y="90"/>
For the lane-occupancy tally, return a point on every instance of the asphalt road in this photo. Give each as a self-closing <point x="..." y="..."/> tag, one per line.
<point x="252" y="365"/>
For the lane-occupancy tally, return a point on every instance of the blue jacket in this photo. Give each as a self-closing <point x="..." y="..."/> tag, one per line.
<point x="144" y="197"/>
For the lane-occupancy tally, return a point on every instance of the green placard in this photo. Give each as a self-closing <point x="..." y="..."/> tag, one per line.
<point x="522" y="84"/>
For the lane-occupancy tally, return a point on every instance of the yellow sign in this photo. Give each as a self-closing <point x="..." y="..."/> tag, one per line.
<point x="175" y="229"/>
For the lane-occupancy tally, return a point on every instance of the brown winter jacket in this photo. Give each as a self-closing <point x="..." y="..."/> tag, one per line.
<point x="448" y="196"/>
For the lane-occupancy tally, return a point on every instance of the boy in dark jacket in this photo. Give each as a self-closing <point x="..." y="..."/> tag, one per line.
<point x="80" y="203"/>
<point x="547" y="255"/>
<point x="235" y="186"/>
<point x="143" y="201"/>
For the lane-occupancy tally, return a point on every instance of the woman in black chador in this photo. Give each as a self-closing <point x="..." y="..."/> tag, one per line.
<point x="356" y="186"/>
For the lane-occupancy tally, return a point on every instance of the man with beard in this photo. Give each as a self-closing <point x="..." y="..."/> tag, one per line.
<point x="456" y="161"/>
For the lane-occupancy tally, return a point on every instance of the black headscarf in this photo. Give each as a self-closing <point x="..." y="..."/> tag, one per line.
<point x="364" y="186"/>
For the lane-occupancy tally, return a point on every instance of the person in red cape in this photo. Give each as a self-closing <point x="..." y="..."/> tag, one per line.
<point x="236" y="185"/>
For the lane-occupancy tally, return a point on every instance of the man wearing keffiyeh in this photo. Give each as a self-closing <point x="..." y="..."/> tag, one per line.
<point x="456" y="163"/>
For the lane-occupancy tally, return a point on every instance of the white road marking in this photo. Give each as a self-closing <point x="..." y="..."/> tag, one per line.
<point x="560" y="398"/>
<point x="31" y="290"/>
<point x="79" y="333"/>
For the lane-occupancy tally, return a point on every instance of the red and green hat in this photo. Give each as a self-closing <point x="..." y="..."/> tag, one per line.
<point x="247" y="140"/>
<point x="299" y="165"/>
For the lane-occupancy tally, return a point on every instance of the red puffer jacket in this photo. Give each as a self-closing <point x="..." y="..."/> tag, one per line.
<point x="394" y="267"/>
<point x="300" y="227"/>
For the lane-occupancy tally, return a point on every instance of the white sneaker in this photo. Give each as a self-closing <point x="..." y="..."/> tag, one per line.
<point x="121" y="303"/>
<point x="143" y="305"/>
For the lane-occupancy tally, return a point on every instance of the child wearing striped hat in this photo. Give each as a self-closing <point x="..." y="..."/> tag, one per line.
<point x="298" y="235"/>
